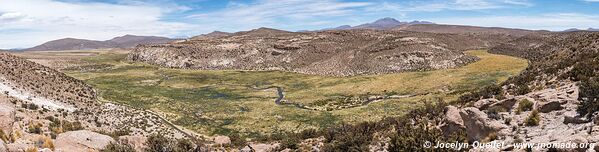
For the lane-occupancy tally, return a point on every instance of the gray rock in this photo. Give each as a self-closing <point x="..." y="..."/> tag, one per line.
<point x="137" y="142"/>
<point x="7" y="118"/>
<point x="546" y="107"/>
<point x="222" y="140"/>
<point x="17" y="147"/>
<point x="478" y="125"/>
<point x="246" y="149"/>
<point x="82" y="140"/>
<point x="3" y="147"/>
<point x="507" y="104"/>
<point x="575" y="120"/>
<point x="484" y="103"/>
<point x="453" y="121"/>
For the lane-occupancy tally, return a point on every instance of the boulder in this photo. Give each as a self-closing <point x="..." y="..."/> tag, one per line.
<point x="546" y="107"/>
<point x="137" y="142"/>
<point x="247" y="148"/>
<point x="483" y="104"/>
<point x="7" y="118"/>
<point x="264" y="147"/>
<point x="222" y="140"/>
<point x="18" y="147"/>
<point x="506" y="104"/>
<point x="478" y="125"/>
<point x="453" y="121"/>
<point x="575" y="120"/>
<point x="3" y="147"/>
<point x="82" y="140"/>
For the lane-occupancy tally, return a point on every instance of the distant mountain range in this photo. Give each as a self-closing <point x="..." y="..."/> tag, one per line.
<point x="215" y="34"/>
<point x="380" y="24"/>
<point x="575" y="29"/>
<point x="430" y="27"/>
<point x="127" y="41"/>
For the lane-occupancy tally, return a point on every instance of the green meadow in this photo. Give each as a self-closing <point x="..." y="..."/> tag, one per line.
<point x="225" y="102"/>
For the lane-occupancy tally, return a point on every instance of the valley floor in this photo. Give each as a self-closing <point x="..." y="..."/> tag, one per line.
<point x="243" y="102"/>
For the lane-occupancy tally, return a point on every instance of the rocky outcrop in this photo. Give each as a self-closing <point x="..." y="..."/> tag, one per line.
<point x="83" y="140"/>
<point x="222" y="140"/>
<point x="453" y="121"/>
<point x="475" y="122"/>
<point x="137" y="142"/>
<point x="3" y="147"/>
<point x="485" y="103"/>
<point x="546" y="107"/>
<point x="334" y="53"/>
<point x="7" y="117"/>
<point x="558" y="120"/>
<point x="478" y="125"/>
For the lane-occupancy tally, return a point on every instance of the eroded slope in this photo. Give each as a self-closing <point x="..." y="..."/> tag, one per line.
<point x="334" y="53"/>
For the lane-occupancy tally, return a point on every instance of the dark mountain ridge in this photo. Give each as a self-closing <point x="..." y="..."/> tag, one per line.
<point x="380" y="24"/>
<point x="126" y="41"/>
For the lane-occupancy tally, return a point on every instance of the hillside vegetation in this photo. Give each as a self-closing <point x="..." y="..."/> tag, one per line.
<point x="242" y="102"/>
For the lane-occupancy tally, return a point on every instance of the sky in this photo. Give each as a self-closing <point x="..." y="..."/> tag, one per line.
<point x="26" y="23"/>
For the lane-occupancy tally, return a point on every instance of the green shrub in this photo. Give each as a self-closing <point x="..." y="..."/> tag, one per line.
<point x="533" y="119"/>
<point x="158" y="143"/>
<point x="485" y="92"/>
<point x="524" y="105"/>
<point x="589" y="97"/>
<point x="114" y="147"/>
<point x="494" y="111"/>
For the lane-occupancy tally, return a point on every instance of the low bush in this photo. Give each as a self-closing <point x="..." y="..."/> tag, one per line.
<point x="533" y="119"/>
<point x="524" y="105"/>
<point x="118" y="147"/>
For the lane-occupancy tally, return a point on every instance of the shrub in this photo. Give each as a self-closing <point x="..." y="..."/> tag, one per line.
<point x="48" y="143"/>
<point x="3" y="136"/>
<point x="157" y="143"/>
<point x="485" y="92"/>
<point x="71" y="126"/>
<point x="236" y="140"/>
<point x="114" y="147"/>
<point x="32" y="149"/>
<point x="413" y="130"/>
<point x="524" y="105"/>
<point x="493" y="112"/>
<point x="184" y="146"/>
<point x="533" y="119"/>
<point x="589" y="97"/>
<point x="35" y="128"/>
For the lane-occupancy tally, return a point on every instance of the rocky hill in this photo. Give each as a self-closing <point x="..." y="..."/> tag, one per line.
<point x="126" y="41"/>
<point x="43" y="109"/>
<point x="215" y="34"/>
<point x="553" y="102"/>
<point x="42" y="85"/>
<point x="462" y="29"/>
<point x="557" y="92"/>
<point x="335" y="53"/>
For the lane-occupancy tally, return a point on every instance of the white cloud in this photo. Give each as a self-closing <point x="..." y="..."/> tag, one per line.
<point x="428" y="6"/>
<point x="555" y="22"/>
<point x="31" y="22"/>
<point x="591" y="0"/>
<point x="11" y="16"/>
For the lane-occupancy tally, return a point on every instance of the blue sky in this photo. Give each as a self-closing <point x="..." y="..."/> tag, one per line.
<point x="25" y="23"/>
